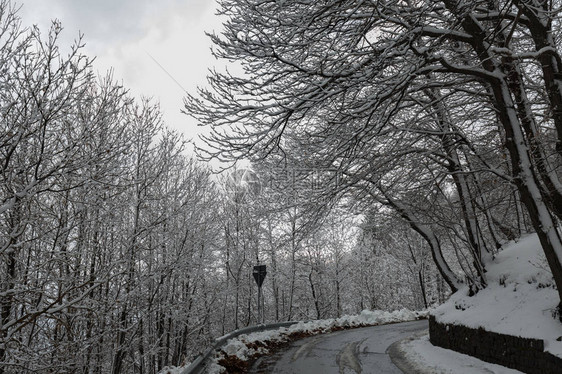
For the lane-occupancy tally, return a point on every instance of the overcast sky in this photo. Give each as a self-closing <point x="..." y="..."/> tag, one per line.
<point x="123" y="34"/>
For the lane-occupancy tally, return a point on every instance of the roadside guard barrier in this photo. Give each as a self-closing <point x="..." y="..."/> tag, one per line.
<point x="197" y="366"/>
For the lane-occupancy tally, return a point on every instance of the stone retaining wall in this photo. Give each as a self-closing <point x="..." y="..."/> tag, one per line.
<point x="526" y="355"/>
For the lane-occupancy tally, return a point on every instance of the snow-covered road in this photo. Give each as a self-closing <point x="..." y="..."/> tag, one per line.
<point x="361" y="351"/>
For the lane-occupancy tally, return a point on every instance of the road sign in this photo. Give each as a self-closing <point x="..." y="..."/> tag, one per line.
<point x="259" y="274"/>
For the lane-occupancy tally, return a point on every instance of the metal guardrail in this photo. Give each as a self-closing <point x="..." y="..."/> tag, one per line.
<point x="198" y="365"/>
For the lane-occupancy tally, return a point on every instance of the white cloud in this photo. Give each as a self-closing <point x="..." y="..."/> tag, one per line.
<point x="123" y="33"/>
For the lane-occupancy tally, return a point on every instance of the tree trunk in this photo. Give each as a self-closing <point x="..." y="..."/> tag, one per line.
<point x="7" y="301"/>
<point x="523" y="174"/>
<point x="314" y="296"/>
<point x="527" y="183"/>
<point x="429" y="236"/>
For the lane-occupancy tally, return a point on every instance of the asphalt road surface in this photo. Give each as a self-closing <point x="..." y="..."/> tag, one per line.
<point x="356" y="351"/>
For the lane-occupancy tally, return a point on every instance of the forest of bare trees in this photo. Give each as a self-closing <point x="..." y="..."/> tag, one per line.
<point x="447" y="113"/>
<point x="390" y="147"/>
<point x="120" y="253"/>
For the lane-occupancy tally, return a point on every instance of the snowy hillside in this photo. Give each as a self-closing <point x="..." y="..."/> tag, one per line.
<point x="520" y="298"/>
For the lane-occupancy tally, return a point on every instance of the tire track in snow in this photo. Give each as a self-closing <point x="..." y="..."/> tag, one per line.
<point x="349" y="357"/>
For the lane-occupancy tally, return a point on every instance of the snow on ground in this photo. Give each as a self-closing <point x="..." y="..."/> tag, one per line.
<point x="365" y="318"/>
<point x="519" y="300"/>
<point x="243" y="348"/>
<point x="427" y="358"/>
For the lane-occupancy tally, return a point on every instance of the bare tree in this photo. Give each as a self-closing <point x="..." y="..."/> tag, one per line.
<point x="336" y="77"/>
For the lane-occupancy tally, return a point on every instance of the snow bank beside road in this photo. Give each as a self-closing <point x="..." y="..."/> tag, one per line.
<point x="365" y="318"/>
<point x="423" y="357"/>
<point x="520" y="298"/>
<point x="250" y="346"/>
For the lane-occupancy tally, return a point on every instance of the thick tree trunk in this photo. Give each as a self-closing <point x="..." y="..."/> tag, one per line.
<point x="523" y="174"/>
<point x="314" y="296"/>
<point x="552" y="190"/>
<point x="338" y="291"/>
<point x="527" y="183"/>
<point x="293" y="267"/>
<point x="540" y="26"/>
<point x="422" y="289"/>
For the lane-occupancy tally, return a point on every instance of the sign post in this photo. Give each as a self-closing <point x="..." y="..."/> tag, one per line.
<point x="259" y="274"/>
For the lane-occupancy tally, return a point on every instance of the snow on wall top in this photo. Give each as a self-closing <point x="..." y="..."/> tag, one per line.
<point x="519" y="300"/>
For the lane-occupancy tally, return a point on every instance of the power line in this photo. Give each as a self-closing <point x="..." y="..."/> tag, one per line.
<point x="166" y="71"/>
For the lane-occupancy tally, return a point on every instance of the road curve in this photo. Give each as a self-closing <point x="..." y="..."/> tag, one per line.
<point x="356" y="351"/>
